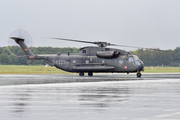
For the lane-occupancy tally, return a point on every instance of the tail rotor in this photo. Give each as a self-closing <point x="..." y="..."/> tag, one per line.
<point x="19" y="33"/>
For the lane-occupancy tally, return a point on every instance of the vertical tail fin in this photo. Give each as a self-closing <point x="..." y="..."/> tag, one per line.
<point x="26" y="50"/>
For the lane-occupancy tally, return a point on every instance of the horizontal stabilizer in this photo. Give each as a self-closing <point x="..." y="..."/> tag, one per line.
<point x="17" y="39"/>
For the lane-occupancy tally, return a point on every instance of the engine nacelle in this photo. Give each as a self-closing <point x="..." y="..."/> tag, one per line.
<point x="107" y="54"/>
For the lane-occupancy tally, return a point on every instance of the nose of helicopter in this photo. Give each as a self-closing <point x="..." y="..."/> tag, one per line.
<point x="140" y="65"/>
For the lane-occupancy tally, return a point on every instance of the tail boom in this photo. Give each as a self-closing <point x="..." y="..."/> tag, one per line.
<point x="29" y="54"/>
<point x="24" y="47"/>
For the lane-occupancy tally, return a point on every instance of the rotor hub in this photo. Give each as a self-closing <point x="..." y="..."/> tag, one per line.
<point x="102" y="44"/>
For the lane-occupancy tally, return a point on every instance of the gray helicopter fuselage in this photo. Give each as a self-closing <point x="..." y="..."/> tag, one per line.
<point x="87" y="60"/>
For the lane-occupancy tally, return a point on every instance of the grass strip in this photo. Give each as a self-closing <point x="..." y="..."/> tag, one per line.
<point x="32" y="69"/>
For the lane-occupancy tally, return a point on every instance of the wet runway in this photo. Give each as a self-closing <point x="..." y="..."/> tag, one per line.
<point x="103" y="96"/>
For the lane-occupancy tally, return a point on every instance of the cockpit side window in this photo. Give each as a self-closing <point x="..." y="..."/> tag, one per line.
<point x="131" y="59"/>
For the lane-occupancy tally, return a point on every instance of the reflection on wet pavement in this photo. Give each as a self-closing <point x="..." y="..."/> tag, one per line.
<point x="70" y="97"/>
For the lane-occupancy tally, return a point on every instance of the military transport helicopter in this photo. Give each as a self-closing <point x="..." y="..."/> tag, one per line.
<point x="90" y="59"/>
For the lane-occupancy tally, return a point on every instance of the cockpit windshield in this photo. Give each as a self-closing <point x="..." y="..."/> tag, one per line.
<point x="131" y="59"/>
<point x="135" y="57"/>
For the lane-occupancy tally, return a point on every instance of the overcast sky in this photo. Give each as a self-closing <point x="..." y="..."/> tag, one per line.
<point x="143" y="23"/>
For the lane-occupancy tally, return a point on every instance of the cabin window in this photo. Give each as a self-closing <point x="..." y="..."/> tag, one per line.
<point x="103" y="61"/>
<point x="131" y="59"/>
<point x="83" y="51"/>
<point x="120" y="62"/>
<point x="87" y="61"/>
<point x="74" y="61"/>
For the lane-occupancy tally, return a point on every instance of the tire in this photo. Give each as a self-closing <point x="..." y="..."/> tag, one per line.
<point x="81" y="74"/>
<point x="138" y="75"/>
<point x="90" y="73"/>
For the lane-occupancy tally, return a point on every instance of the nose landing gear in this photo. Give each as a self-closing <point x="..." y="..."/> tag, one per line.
<point x="138" y="74"/>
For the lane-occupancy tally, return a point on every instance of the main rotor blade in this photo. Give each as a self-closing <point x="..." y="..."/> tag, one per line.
<point x="68" y="39"/>
<point x="104" y="44"/>
<point x="137" y="47"/>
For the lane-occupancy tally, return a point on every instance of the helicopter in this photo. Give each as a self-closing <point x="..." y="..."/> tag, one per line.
<point x="90" y="59"/>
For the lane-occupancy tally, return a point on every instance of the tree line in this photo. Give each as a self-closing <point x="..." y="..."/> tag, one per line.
<point x="149" y="57"/>
<point x="13" y="55"/>
<point x="159" y="58"/>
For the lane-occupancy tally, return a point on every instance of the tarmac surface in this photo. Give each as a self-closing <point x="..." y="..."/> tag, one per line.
<point x="103" y="96"/>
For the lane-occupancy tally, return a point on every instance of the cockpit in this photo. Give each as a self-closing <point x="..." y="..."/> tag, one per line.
<point x="133" y="58"/>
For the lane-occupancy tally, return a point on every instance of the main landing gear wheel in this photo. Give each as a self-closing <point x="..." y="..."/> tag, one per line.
<point x="90" y="73"/>
<point x="81" y="74"/>
<point x="138" y="75"/>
